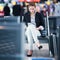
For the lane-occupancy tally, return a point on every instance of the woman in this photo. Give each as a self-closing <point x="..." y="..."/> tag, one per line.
<point x="34" y="23"/>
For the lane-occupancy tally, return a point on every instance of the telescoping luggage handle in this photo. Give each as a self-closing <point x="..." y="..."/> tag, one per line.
<point x="48" y="24"/>
<point x="55" y="45"/>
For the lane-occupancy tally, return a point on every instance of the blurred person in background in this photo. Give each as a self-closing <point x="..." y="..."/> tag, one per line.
<point x="34" y="23"/>
<point x="52" y="9"/>
<point x="1" y="11"/>
<point x="22" y="10"/>
<point x="47" y="6"/>
<point x="43" y="11"/>
<point x="6" y="10"/>
<point x="16" y="10"/>
<point x="38" y="9"/>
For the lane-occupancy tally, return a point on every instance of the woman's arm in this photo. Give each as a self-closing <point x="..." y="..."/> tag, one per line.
<point x="40" y="28"/>
<point x="41" y="22"/>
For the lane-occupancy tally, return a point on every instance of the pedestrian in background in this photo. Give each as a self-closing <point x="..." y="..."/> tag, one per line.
<point x="6" y="10"/>
<point x="16" y="10"/>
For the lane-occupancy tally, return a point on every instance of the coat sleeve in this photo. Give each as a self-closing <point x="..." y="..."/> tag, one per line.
<point x="42" y="20"/>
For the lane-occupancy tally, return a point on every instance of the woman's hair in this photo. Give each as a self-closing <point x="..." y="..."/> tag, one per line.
<point x="32" y="4"/>
<point x="55" y="1"/>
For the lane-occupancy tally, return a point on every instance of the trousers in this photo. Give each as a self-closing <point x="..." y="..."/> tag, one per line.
<point x="32" y="34"/>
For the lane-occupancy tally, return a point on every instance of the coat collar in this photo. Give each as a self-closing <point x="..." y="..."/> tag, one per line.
<point x="30" y="16"/>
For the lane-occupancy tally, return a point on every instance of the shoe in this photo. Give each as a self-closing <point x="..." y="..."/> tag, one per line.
<point x="29" y="53"/>
<point x="40" y="47"/>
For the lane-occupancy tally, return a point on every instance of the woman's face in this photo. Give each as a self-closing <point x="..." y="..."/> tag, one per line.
<point x="32" y="9"/>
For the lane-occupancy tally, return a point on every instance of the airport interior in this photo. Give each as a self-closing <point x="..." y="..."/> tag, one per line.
<point x="13" y="42"/>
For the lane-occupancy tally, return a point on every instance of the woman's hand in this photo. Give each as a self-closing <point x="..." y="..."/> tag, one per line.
<point x="40" y="28"/>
